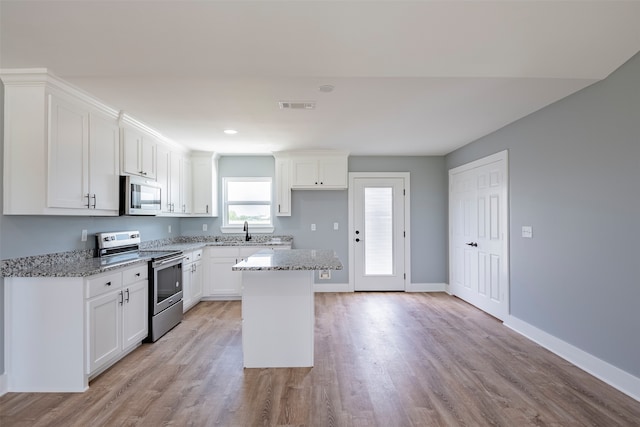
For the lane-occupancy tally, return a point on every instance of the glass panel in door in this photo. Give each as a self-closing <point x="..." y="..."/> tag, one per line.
<point x="378" y="227"/>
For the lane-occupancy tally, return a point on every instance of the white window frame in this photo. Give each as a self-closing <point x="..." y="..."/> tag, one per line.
<point x="226" y="228"/>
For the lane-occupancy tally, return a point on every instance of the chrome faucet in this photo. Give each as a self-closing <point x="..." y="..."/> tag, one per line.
<point x="247" y="236"/>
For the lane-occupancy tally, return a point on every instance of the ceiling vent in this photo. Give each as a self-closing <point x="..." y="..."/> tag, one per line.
<point x="297" y="105"/>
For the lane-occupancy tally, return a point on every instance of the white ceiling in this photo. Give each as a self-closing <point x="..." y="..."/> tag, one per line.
<point x="411" y="78"/>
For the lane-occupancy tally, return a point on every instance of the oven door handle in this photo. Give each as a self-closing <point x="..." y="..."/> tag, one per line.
<point x="164" y="262"/>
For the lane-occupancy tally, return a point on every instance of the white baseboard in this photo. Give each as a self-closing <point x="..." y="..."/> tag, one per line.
<point x="3" y="384"/>
<point x="413" y="287"/>
<point x="332" y="287"/>
<point x="426" y="287"/>
<point x="615" y="377"/>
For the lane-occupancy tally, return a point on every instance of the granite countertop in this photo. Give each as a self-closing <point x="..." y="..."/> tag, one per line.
<point x="293" y="259"/>
<point x="191" y="246"/>
<point x="68" y="268"/>
<point x="82" y="263"/>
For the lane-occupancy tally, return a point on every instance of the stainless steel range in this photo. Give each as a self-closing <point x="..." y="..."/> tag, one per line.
<point x="165" y="277"/>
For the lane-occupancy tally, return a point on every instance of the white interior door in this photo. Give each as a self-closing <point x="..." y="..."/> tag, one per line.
<point x="378" y="234"/>
<point x="479" y="270"/>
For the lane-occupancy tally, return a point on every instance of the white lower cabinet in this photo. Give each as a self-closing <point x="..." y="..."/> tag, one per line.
<point x="221" y="282"/>
<point x="117" y="316"/>
<point x="62" y="331"/>
<point x="191" y="279"/>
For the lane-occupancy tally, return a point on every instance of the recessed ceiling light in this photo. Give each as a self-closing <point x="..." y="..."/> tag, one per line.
<point x="230" y="131"/>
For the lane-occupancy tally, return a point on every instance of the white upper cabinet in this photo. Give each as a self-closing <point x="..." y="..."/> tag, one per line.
<point x="163" y="155"/>
<point x="175" y="182"/>
<point x="185" y="186"/>
<point x="104" y="162"/>
<point x="283" y="186"/>
<point x="138" y="153"/>
<point x="68" y="172"/>
<point x="319" y="171"/>
<point x="205" y="184"/>
<point x="175" y="179"/>
<point x="61" y="149"/>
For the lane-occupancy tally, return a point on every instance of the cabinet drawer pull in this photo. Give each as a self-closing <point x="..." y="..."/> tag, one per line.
<point x="127" y="294"/>
<point x="137" y="274"/>
<point x="121" y="298"/>
<point x="108" y="283"/>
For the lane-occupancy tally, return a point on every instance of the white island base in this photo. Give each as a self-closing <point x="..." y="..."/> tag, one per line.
<point x="278" y="318"/>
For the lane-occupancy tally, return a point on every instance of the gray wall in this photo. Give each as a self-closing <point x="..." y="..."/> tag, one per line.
<point x="323" y="208"/>
<point x="574" y="170"/>
<point x="2" y="239"/>
<point x="428" y="210"/>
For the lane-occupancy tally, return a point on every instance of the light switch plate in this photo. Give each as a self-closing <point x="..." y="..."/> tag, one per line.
<point x="335" y="225"/>
<point x="527" y="231"/>
<point x="204" y="227"/>
<point x="313" y="227"/>
<point x="84" y="236"/>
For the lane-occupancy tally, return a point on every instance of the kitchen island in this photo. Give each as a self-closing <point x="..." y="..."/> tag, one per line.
<point x="278" y="306"/>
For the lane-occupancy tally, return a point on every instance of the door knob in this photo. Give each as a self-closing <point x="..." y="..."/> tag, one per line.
<point x="474" y="244"/>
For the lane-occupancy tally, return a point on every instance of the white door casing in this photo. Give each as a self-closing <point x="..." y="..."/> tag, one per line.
<point x="377" y="265"/>
<point x="479" y="234"/>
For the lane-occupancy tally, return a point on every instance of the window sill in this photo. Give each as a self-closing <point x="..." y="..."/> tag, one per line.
<point x="252" y="230"/>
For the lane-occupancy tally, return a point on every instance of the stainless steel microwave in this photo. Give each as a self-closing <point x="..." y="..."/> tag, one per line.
<point x="139" y="196"/>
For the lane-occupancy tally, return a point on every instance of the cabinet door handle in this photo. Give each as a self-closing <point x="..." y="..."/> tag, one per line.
<point x="94" y="201"/>
<point x="278" y="207"/>
<point x="121" y="298"/>
<point x="88" y="196"/>
<point x="207" y="209"/>
<point x="127" y="294"/>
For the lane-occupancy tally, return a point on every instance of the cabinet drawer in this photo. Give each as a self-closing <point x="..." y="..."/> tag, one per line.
<point x="223" y="252"/>
<point x="102" y="284"/>
<point x="135" y="274"/>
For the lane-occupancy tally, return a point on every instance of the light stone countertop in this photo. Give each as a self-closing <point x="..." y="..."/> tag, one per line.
<point x="293" y="259"/>
<point x="81" y="263"/>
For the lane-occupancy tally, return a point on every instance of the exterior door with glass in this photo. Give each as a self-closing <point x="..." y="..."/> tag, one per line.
<point x="378" y="234"/>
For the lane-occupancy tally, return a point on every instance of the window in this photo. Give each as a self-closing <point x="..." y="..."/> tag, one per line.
<point x="247" y="199"/>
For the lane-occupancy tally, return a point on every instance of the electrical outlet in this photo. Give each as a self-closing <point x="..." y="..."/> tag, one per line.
<point x="84" y="236"/>
<point x="325" y="274"/>
<point x="204" y="227"/>
<point x="169" y="229"/>
<point x="335" y="225"/>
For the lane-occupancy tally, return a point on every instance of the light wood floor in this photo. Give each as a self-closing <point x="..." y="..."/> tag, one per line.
<point x="381" y="359"/>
